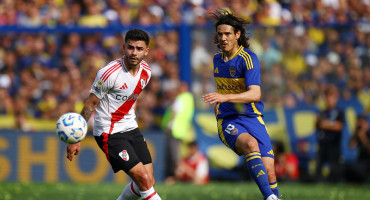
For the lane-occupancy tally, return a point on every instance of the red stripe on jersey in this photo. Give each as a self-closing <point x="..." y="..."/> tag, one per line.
<point x="145" y="65"/>
<point x="125" y="107"/>
<point x="108" y="70"/>
<point x="133" y="190"/>
<point x="111" y="71"/>
<point x="150" y="196"/>
<point x="147" y="68"/>
<point x="105" y="145"/>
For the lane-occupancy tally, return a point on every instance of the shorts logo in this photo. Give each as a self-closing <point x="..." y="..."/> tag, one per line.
<point x="232" y="71"/>
<point x="230" y="129"/>
<point x="234" y="132"/>
<point x="271" y="152"/>
<point x="124" y="155"/>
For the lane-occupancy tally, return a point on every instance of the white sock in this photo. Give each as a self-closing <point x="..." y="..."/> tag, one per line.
<point x="131" y="192"/>
<point x="150" y="195"/>
<point x="272" y="197"/>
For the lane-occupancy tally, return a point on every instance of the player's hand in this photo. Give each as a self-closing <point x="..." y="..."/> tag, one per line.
<point x="214" y="97"/>
<point x="72" y="149"/>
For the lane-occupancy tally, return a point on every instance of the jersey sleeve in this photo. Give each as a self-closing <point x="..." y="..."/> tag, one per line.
<point x="99" y="87"/>
<point x="252" y="70"/>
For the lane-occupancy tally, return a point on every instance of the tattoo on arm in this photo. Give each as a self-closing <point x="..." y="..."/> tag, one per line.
<point x="87" y="111"/>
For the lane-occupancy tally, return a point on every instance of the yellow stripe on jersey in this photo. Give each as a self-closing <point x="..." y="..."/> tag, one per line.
<point x="255" y="110"/>
<point x="248" y="58"/>
<point x="245" y="59"/>
<point x="230" y="85"/>
<point x="235" y="54"/>
<point x="221" y="132"/>
<point x="248" y="63"/>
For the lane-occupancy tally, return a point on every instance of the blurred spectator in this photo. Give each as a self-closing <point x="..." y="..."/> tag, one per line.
<point x="360" y="170"/>
<point x="194" y="167"/>
<point x="329" y="125"/>
<point x="177" y="123"/>
<point x="286" y="163"/>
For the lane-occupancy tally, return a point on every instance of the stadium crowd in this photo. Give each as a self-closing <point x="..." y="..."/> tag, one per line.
<point x="303" y="47"/>
<point x="31" y="13"/>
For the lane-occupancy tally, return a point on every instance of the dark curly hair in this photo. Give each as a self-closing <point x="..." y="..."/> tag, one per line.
<point x="224" y="16"/>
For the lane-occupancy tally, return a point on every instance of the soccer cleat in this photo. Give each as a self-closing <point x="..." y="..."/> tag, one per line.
<point x="272" y="197"/>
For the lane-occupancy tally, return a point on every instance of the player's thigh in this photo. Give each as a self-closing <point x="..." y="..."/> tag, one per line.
<point x="141" y="148"/>
<point x="119" y="151"/>
<point x="229" y="131"/>
<point x="245" y="144"/>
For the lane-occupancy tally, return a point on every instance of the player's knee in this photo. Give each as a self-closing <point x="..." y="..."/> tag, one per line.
<point x="252" y="145"/>
<point x="144" y="181"/>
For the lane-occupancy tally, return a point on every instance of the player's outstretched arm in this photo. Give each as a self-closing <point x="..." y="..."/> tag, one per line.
<point x="90" y="106"/>
<point x="253" y="94"/>
<point x="87" y="110"/>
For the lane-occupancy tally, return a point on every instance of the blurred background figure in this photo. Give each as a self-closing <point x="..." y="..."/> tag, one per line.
<point x="329" y="125"/>
<point x="286" y="163"/>
<point x="177" y="122"/>
<point x="360" y="170"/>
<point x="194" y="167"/>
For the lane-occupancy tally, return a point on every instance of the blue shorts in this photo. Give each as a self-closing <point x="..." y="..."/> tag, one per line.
<point x="231" y="127"/>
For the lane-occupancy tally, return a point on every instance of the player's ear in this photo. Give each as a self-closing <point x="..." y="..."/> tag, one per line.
<point x="146" y="51"/>
<point x="237" y="34"/>
<point x="123" y="46"/>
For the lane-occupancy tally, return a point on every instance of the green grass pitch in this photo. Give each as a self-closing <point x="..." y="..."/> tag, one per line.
<point x="182" y="191"/>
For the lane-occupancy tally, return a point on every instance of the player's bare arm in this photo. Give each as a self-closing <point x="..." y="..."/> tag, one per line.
<point x="88" y="109"/>
<point x="253" y="94"/>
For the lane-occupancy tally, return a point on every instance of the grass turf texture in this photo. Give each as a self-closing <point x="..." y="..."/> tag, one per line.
<point x="182" y="191"/>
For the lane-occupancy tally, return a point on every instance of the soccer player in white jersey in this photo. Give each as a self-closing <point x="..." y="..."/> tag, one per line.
<point x="113" y="97"/>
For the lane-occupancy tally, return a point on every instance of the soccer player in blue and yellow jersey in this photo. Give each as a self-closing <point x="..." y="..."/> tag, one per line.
<point x="238" y="105"/>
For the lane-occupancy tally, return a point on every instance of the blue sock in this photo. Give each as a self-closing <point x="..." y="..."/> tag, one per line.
<point x="258" y="172"/>
<point x="274" y="188"/>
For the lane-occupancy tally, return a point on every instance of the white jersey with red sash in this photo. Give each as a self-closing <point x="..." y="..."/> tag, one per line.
<point x="118" y="91"/>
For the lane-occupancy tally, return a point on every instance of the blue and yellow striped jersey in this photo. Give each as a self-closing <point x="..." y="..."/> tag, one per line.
<point x="233" y="77"/>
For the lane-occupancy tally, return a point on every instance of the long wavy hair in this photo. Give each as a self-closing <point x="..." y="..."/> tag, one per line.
<point x="224" y="16"/>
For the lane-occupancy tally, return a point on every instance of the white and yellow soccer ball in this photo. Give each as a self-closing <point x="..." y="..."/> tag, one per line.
<point x="71" y="128"/>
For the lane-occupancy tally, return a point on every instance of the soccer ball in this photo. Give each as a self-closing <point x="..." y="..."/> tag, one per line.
<point x="71" y="128"/>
